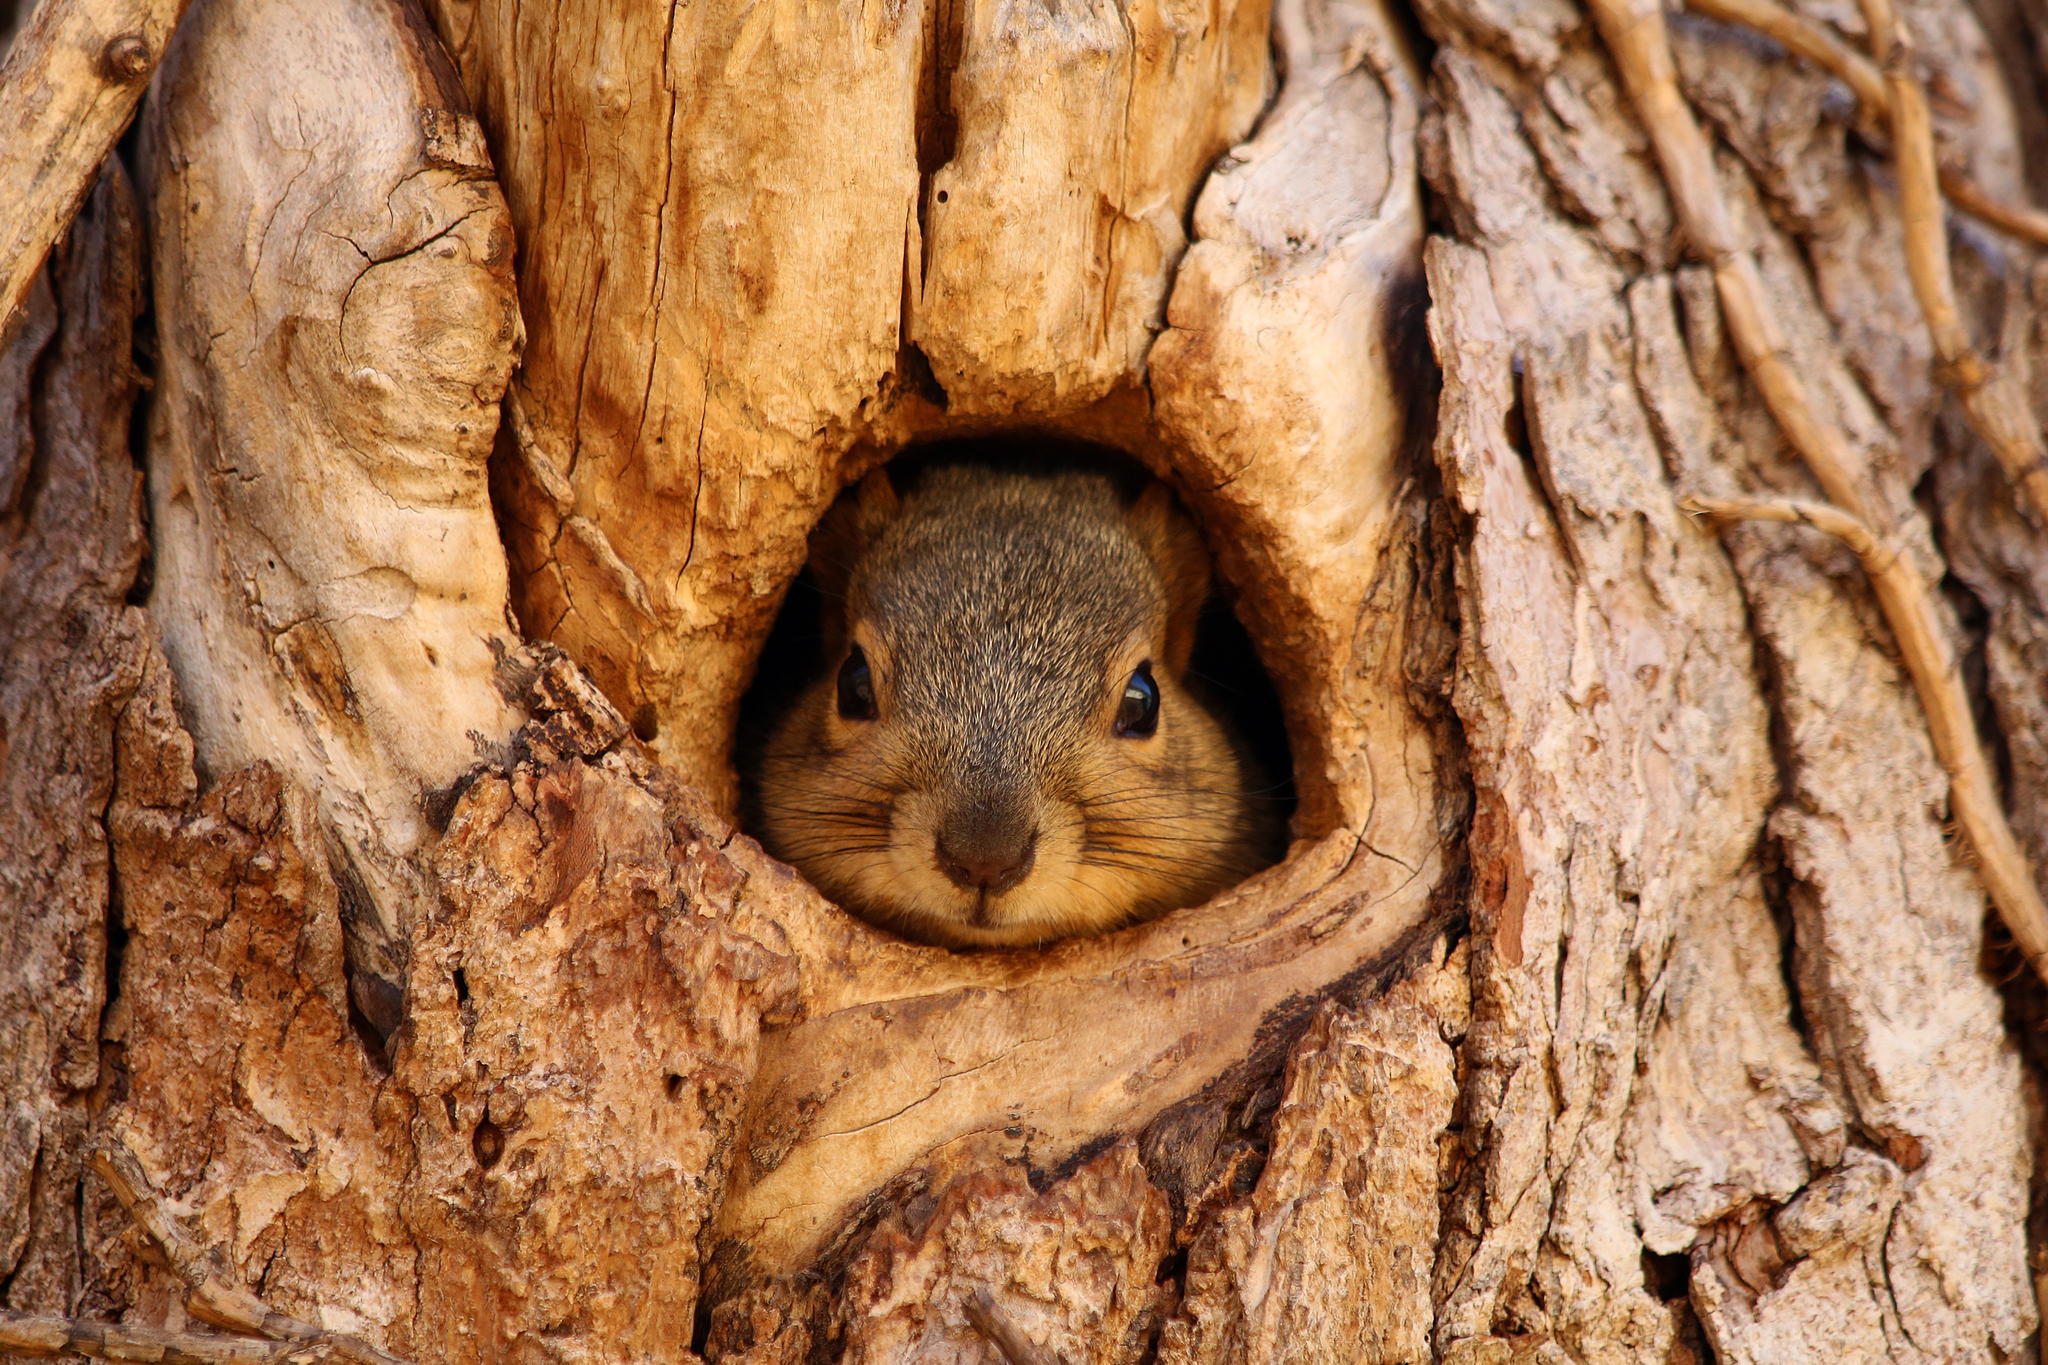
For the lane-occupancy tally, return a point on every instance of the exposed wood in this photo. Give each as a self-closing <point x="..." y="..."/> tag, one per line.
<point x="946" y="1062"/>
<point x="977" y="206"/>
<point x="213" y="1296"/>
<point x="44" y="1336"/>
<point x="329" y="580"/>
<point x="1005" y="1335"/>
<point x="68" y="87"/>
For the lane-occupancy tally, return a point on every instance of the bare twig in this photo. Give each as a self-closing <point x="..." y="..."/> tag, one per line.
<point x="1003" y="1334"/>
<point x="24" y="1334"/>
<point x="1909" y="607"/>
<point x="1991" y="400"/>
<point x="1635" y="34"/>
<point x="213" y="1294"/>
<point x="67" y="88"/>
<point x="1804" y="38"/>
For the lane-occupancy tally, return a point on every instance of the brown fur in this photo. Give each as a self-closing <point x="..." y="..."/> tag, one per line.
<point x="1001" y="614"/>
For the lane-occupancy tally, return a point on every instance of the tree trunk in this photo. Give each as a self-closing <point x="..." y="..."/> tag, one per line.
<point x="376" y="912"/>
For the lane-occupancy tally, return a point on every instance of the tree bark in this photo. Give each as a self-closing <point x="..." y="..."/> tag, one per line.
<point x="371" y="870"/>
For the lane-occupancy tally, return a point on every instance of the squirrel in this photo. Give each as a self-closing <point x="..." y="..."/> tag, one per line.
<point x="1004" y="748"/>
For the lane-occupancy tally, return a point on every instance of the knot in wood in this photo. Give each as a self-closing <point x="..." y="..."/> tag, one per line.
<point x="127" y="58"/>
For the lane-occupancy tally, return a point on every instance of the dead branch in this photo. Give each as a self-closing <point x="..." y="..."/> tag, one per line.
<point x="1635" y="34"/>
<point x="1804" y="38"/>
<point x="1991" y="400"/>
<point x="212" y="1295"/>
<point x="67" y="89"/>
<point x="39" y="1336"/>
<point x="1003" y="1334"/>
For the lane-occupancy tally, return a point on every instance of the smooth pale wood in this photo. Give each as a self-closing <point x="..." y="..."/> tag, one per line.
<point x="1045" y="273"/>
<point x="68" y="87"/>
<point x="1283" y="389"/>
<point x="334" y="265"/>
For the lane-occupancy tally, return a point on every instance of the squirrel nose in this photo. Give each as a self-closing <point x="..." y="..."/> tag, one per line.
<point x="992" y="865"/>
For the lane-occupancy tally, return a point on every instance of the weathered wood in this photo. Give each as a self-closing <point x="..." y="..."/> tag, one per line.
<point x="68" y="87"/>
<point x="529" y="1179"/>
<point x="335" y="270"/>
<point x="38" y="1337"/>
<point x="1068" y="1269"/>
<point x="1354" y="1171"/>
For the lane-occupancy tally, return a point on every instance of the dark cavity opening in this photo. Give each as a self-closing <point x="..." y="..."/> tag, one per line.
<point x="1224" y="667"/>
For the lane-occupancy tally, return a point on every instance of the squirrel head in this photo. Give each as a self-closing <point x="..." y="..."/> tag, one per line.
<point x="1004" y="749"/>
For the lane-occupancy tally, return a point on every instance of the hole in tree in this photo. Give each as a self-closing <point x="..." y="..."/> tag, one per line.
<point x="1667" y="1275"/>
<point x="809" y="701"/>
<point x="646" y="725"/>
<point x="488" y="1143"/>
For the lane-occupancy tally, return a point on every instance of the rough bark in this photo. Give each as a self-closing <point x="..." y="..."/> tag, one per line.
<point x="1623" y="996"/>
<point x="73" y="650"/>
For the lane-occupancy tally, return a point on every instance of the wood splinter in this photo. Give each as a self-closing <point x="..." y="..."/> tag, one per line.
<point x="39" y="1336"/>
<point x="1003" y="1334"/>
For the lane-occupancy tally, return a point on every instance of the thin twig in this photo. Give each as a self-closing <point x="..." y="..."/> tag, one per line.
<point x="1634" y="33"/>
<point x="1813" y="42"/>
<point x="1003" y="1334"/>
<point x="212" y="1293"/>
<point x="1804" y="38"/>
<point x="1909" y="607"/>
<point x="26" y="1334"/>
<point x="1991" y="399"/>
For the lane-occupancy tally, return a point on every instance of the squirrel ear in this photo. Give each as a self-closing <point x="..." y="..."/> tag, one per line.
<point x="1176" y="549"/>
<point x="848" y="529"/>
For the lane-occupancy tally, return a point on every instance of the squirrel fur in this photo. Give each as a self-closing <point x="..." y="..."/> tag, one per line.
<point x="1004" y="749"/>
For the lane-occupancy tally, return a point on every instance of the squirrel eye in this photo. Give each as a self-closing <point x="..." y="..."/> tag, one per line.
<point x="856" y="687"/>
<point x="1137" y="715"/>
